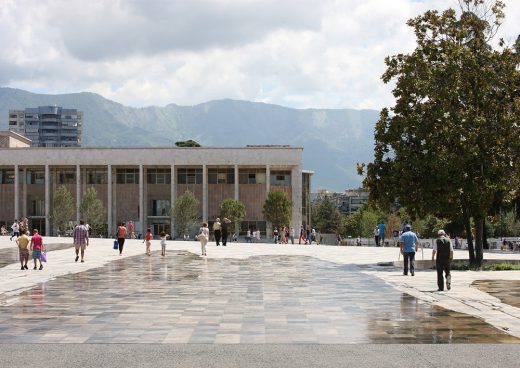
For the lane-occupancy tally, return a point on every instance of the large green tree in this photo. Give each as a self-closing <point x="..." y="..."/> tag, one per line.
<point x="185" y="212"/>
<point x="451" y="141"/>
<point x="325" y="216"/>
<point x="92" y="210"/>
<point x="62" y="209"/>
<point x="234" y="210"/>
<point x="277" y="208"/>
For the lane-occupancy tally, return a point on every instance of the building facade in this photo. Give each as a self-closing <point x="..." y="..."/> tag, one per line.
<point x="142" y="184"/>
<point x="48" y="126"/>
<point x="10" y="139"/>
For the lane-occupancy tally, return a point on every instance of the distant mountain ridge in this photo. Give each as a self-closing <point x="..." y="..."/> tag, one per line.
<point x="334" y="140"/>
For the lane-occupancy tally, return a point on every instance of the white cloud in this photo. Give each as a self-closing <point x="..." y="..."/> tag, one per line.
<point x="299" y="53"/>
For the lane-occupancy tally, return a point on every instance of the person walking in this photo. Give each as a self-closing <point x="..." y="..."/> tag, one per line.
<point x="163" y="236"/>
<point x="217" y="231"/>
<point x="376" y="236"/>
<point x="291" y="235"/>
<point x="16" y="230"/>
<point x="225" y="229"/>
<point x="23" y="249"/>
<point x="443" y="255"/>
<point x="408" y="244"/>
<point x="80" y="238"/>
<point x="302" y="236"/>
<point x="275" y="235"/>
<point x="37" y="248"/>
<point x="203" y="237"/>
<point x="148" y="239"/>
<point x="121" y="235"/>
<point x="382" y="228"/>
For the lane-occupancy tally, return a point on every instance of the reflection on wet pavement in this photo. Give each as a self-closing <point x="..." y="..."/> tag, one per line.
<point x="508" y="291"/>
<point x="10" y="255"/>
<point x="183" y="298"/>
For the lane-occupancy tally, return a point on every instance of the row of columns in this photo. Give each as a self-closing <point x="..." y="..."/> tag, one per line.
<point x="296" y="183"/>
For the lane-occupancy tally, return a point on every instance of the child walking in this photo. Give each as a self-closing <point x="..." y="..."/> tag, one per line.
<point x="203" y="237"/>
<point x="37" y="248"/>
<point x="23" y="248"/>
<point x="163" y="236"/>
<point x="148" y="239"/>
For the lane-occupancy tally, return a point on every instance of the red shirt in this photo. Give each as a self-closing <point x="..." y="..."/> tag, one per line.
<point x="37" y="242"/>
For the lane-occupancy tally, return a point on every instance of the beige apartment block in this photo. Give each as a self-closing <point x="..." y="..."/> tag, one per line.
<point x="142" y="184"/>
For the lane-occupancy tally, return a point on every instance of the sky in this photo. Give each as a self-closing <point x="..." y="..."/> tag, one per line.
<point x="295" y="53"/>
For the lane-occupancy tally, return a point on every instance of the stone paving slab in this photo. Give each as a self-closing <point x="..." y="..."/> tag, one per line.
<point x="462" y="298"/>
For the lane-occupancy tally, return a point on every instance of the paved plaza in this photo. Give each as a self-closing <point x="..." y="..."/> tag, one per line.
<point x="260" y="294"/>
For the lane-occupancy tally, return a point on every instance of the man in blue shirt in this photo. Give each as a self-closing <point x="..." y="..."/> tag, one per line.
<point x="409" y="243"/>
<point x="382" y="229"/>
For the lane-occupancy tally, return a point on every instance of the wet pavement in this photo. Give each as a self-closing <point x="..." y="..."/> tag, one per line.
<point x="183" y="298"/>
<point x="508" y="291"/>
<point x="11" y="255"/>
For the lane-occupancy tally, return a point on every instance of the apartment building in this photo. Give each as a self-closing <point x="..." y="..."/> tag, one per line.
<point x="48" y="126"/>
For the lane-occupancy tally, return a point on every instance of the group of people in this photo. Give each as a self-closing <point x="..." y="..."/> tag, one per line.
<point x="148" y="240"/>
<point x="18" y="225"/>
<point x="379" y="233"/>
<point x="284" y="235"/>
<point x="253" y="237"/>
<point x="442" y="255"/>
<point x="33" y="244"/>
<point x="307" y="236"/>
<point x="221" y="230"/>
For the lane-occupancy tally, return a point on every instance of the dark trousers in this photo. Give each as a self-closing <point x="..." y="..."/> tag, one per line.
<point x="224" y="236"/>
<point x="409" y="256"/>
<point x="443" y="267"/>
<point x="217" y="236"/>
<point x="376" y="239"/>
<point x="121" y="242"/>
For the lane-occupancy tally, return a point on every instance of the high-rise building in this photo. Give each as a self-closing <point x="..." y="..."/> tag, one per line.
<point x="48" y="126"/>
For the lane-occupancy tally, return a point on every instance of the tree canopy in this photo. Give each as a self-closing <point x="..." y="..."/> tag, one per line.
<point x="63" y="209"/>
<point x="185" y="212"/>
<point x="325" y="216"/>
<point x="451" y="141"/>
<point x="188" y="143"/>
<point x="92" y="209"/>
<point x="233" y="209"/>
<point x="277" y="208"/>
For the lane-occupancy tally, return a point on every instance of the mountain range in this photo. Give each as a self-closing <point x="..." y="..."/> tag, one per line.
<point x="334" y="140"/>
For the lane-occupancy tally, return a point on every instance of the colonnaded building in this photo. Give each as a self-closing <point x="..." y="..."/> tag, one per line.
<point x="141" y="184"/>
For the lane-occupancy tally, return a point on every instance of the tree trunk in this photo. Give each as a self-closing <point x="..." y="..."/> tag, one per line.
<point x="469" y="236"/>
<point x="479" y="222"/>
<point x="485" y="242"/>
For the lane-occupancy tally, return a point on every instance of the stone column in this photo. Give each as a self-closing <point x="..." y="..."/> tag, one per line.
<point x="237" y="197"/>
<point x="296" y="189"/>
<point x="16" y="192"/>
<point x="268" y="225"/>
<point x="173" y="196"/>
<point x="237" y="194"/>
<point x="141" y="199"/>
<point x="267" y="178"/>
<point x="204" y="193"/>
<point x="47" y="200"/>
<point x="24" y="194"/>
<point x="78" y="192"/>
<point x="109" y="200"/>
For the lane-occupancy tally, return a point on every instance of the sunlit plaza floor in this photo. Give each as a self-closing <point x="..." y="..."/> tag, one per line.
<point x="248" y="293"/>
